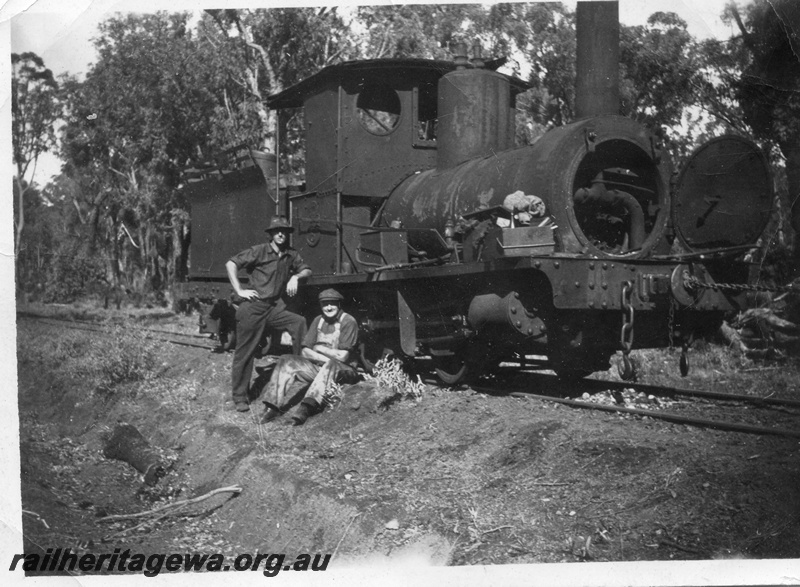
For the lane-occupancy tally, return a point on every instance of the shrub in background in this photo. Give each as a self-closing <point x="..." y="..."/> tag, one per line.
<point x="71" y="277"/>
<point x="125" y="355"/>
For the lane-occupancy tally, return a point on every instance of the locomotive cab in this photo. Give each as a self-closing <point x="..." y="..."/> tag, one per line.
<point x="368" y="126"/>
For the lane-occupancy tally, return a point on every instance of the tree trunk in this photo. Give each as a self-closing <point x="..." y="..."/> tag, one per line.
<point x="268" y="119"/>
<point x="116" y="279"/>
<point x="180" y="243"/>
<point x="20" y="215"/>
<point x="146" y="255"/>
<point x="792" y="154"/>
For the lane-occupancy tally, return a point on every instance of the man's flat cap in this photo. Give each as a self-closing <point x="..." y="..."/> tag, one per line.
<point x="330" y="295"/>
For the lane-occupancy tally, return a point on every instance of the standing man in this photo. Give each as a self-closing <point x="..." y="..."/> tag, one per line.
<point x="273" y="267"/>
<point x="328" y="356"/>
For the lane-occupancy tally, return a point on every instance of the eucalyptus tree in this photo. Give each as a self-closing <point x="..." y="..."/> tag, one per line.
<point x="261" y="52"/>
<point x="34" y="111"/>
<point x="145" y="108"/>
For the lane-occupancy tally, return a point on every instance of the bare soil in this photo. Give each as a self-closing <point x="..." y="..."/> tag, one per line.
<point x="457" y="478"/>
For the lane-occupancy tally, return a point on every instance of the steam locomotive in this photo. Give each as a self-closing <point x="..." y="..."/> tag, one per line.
<point x="449" y="242"/>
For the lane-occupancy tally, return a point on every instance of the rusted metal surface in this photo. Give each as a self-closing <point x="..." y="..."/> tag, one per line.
<point x="724" y="194"/>
<point x="599" y="196"/>
<point x="509" y="310"/>
<point x="597" y="59"/>
<point x="229" y="212"/>
<point x="474" y="116"/>
<point x="562" y="162"/>
<point x="371" y="123"/>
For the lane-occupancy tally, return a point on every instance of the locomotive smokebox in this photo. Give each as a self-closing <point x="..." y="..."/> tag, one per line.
<point x="476" y="112"/>
<point x="601" y="180"/>
<point x="597" y="60"/>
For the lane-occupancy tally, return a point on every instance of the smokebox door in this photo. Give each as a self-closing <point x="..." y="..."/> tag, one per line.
<point x="723" y="197"/>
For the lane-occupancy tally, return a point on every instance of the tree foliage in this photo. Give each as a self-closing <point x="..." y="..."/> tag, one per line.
<point x="768" y="90"/>
<point x="143" y="111"/>
<point x="659" y="69"/>
<point x="262" y="52"/>
<point x="34" y="110"/>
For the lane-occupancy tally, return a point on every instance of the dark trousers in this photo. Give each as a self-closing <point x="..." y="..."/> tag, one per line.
<point x="252" y="318"/>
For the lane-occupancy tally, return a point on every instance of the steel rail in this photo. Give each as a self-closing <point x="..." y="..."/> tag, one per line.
<point x="667" y="416"/>
<point x="89" y="327"/>
<point x="40" y="317"/>
<point x="672" y="391"/>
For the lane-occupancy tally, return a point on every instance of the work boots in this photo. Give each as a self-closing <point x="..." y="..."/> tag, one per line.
<point x="271" y="412"/>
<point x="307" y="408"/>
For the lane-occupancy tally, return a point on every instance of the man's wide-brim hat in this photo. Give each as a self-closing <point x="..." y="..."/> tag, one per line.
<point x="279" y="223"/>
<point x="330" y="295"/>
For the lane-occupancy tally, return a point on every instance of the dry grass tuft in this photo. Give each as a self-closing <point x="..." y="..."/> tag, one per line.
<point x="394" y="383"/>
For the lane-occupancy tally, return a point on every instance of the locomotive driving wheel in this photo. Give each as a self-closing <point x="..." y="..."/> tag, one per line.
<point x="466" y="361"/>
<point x="450" y="366"/>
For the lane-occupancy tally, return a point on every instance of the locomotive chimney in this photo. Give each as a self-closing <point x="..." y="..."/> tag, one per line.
<point x="597" y="66"/>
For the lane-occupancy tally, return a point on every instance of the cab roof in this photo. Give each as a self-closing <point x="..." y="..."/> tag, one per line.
<point x="375" y="69"/>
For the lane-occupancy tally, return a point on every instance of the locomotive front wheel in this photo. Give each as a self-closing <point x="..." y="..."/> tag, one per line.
<point x="370" y="354"/>
<point x="450" y="367"/>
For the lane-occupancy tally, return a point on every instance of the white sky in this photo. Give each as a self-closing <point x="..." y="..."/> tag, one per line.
<point x="61" y="32"/>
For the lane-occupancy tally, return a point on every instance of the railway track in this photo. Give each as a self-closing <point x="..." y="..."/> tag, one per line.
<point x="690" y="403"/>
<point x="159" y="334"/>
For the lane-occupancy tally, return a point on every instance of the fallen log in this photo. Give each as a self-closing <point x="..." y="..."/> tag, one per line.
<point x="127" y="444"/>
<point x="766" y="320"/>
<point x="769" y="353"/>
<point x="757" y="343"/>
<point x="732" y="338"/>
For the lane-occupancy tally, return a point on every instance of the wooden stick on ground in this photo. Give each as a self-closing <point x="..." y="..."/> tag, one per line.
<point x="175" y="505"/>
<point x="352" y="519"/>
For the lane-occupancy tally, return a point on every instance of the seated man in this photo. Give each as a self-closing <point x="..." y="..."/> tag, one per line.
<point x="328" y="350"/>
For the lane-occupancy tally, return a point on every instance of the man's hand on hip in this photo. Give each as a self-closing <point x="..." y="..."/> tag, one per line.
<point x="291" y="287"/>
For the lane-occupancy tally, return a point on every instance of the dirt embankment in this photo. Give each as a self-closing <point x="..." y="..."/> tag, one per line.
<point x="457" y="478"/>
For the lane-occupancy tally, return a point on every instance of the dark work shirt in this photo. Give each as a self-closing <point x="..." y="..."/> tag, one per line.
<point x="269" y="272"/>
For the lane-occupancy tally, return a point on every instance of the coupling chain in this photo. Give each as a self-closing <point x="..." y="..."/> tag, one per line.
<point x="626" y="332"/>
<point x="671" y="323"/>
<point x="689" y="282"/>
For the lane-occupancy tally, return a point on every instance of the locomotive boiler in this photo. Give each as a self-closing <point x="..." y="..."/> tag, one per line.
<point x="450" y="242"/>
